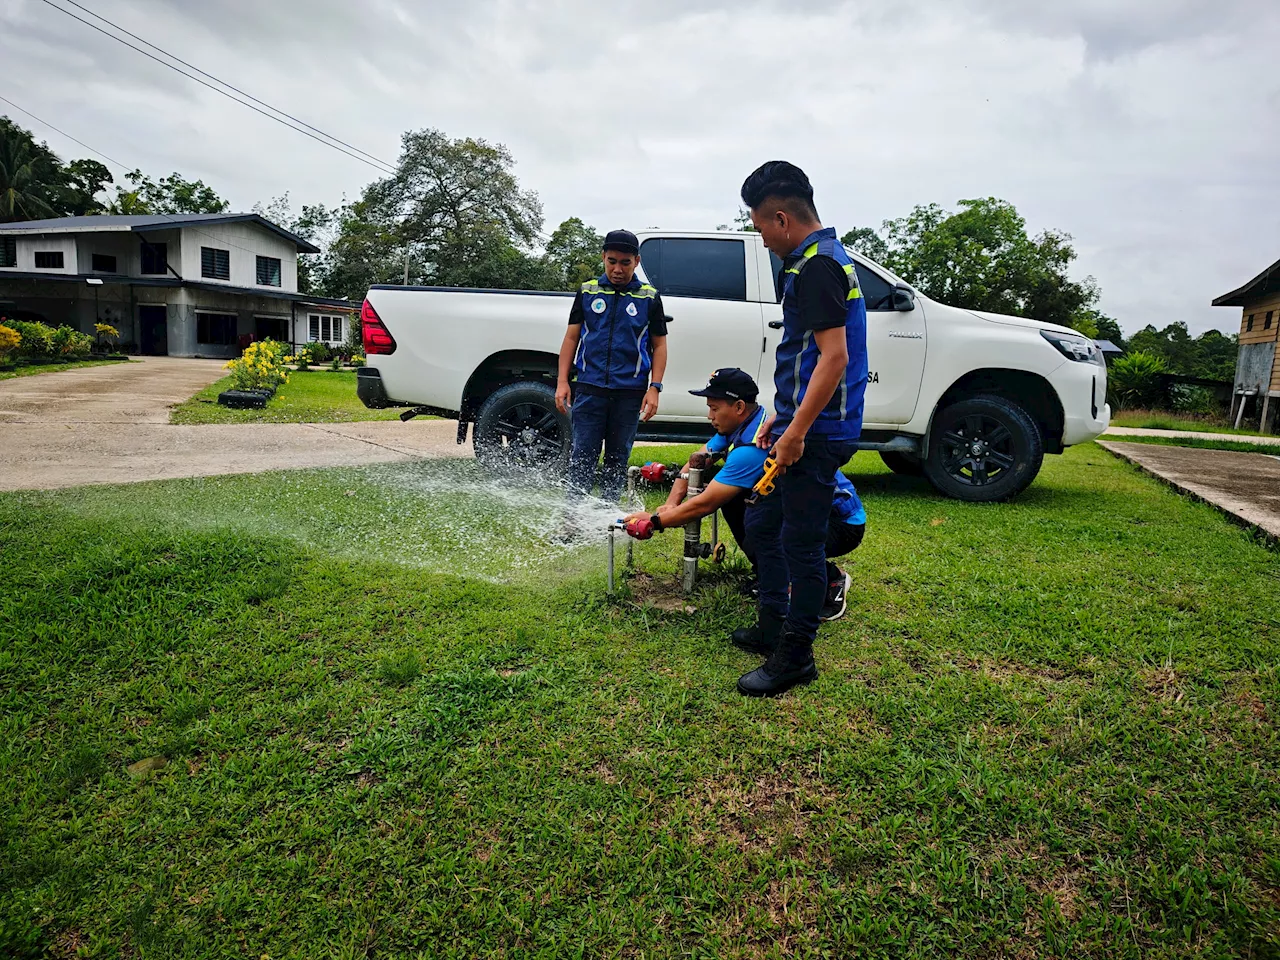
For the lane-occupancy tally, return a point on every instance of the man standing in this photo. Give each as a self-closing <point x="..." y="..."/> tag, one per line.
<point x="821" y="379"/>
<point x="739" y="422"/>
<point x="617" y="345"/>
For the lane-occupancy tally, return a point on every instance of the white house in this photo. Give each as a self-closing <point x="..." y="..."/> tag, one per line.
<point x="186" y="285"/>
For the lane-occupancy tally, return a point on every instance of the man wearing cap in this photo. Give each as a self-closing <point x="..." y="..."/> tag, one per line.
<point x="616" y="348"/>
<point x="739" y="421"/>
<point x="821" y="379"/>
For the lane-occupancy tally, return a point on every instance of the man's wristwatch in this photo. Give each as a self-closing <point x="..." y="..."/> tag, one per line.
<point x="657" y="522"/>
<point x="656" y="386"/>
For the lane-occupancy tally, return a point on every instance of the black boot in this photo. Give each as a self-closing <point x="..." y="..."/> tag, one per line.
<point x="762" y="637"/>
<point x="790" y="665"/>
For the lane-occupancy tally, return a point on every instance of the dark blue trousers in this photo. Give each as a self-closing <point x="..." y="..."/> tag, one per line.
<point x="610" y="420"/>
<point x="787" y="531"/>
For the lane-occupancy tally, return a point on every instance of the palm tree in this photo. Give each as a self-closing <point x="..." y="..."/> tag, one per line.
<point x="24" y="175"/>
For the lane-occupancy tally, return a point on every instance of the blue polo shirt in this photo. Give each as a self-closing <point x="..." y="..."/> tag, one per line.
<point x="744" y="466"/>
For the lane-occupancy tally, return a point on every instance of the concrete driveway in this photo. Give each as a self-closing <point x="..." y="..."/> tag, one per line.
<point x="110" y="424"/>
<point x="1245" y="486"/>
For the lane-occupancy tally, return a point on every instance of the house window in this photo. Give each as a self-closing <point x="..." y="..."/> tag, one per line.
<point x="8" y="252"/>
<point x="155" y="258"/>
<point x="104" y="263"/>
<point x="1248" y="324"/>
<point x="217" y="329"/>
<point x="268" y="271"/>
<point x="48" y="259"/>
<point x="325" y="329"/>
<point x="1266" y="324"/>
<point x="215" y="264"/>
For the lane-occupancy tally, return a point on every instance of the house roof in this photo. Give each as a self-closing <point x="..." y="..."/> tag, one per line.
<point x="1268" y="281"/>
<point x="142" y="223"/>
<point x="115" y="280"/>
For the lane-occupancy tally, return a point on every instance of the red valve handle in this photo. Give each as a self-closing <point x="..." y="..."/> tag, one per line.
<point x="641" y="528"/>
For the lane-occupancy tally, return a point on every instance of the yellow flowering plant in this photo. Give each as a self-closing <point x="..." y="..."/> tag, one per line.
<point x="9" y="340"/>
<point x="260" y="367"/>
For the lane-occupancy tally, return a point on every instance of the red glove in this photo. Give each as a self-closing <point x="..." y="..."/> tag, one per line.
<point x="653" y="472"/>
<point x="641" y="528"/>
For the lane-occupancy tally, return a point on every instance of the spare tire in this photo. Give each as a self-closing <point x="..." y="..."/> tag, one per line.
<point x="983" y="449"/>
<point x="519" y="426"/>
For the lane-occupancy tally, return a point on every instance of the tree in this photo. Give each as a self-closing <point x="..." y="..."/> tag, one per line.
<point x="981" y="258"/>
<point x="169" y="195"/>
<point x="1212" y="355"/>
<point x="1109" y="329"/>
<point x="31" y="176"/>
<point x="453" y="210"/>
<point x="573" y="253"/>
<point x="84" y="180"/>
<point x="868" y="243"/>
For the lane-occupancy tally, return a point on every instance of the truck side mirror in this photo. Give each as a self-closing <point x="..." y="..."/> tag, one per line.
<point x="904" y="298"/>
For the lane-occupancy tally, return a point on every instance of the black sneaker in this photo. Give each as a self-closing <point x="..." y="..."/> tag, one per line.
<point x="790" y="665"/>
<point x="837" y="591"/>
<point x="751" y="589"/>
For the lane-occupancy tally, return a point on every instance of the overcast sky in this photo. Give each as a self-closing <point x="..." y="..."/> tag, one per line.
<point x="1148" y="129"/>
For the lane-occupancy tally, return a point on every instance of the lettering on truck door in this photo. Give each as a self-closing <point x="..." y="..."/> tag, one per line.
<point x="711" y="299"/>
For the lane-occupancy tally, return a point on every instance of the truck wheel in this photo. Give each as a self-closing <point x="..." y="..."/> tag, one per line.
<point x="983" y="449"/>
<point x="520" y="426"/>
<point x="903" y="464"/>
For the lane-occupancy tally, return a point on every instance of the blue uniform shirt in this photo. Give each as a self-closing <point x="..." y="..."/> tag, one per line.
<point x="744" y="466"/>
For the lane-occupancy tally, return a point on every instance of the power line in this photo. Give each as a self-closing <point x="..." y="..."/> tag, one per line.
<point x="378" y="165"/>
<point x="172" y="218"/>
<point x="205" y="73"/>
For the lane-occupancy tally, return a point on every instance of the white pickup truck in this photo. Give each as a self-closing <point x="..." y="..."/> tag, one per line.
<point x="971" y="400"/>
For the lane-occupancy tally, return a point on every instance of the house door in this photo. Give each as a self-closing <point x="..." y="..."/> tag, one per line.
<point x="154" y="325"/>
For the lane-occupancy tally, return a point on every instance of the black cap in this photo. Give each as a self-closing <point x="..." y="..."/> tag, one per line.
<point x="730" y="384"/>
<point x="624" y="241"/>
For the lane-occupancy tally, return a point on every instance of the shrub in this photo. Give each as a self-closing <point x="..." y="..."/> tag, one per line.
<point x="358" y="360"/>
<point x="9" y="341"/>
<point x="1134" y="381"/>
<point x="260" y="367"/>
<point x="1187" y="398"/>
<point x="35" y="340"/>
<point x="107" y="334"/>
<point x="336" y="363"/>
<point x="317" y="352"/>
<point x="355" y="339"/>
<point x="69" y="342"/>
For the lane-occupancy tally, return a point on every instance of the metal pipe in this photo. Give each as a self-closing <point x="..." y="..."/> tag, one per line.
<point x="612" y="530"/>
<point x="692" y="537"/>
<point x="633" y="473"/>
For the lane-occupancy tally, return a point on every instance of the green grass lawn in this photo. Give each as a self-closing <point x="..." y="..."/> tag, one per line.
<point x="1238" y="446"/>
<point x="1162" y="420"/>
<point x="36" y="368"/>
<point x="316" y="396"/>
<point x="398" y="721"/>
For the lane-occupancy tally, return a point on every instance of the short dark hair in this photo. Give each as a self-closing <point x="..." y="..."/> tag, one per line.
<point x="782" y="181"/>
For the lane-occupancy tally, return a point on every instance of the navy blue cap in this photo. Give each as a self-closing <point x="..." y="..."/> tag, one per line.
<point x="730" y="384"/>
<point x="624" y="241"/>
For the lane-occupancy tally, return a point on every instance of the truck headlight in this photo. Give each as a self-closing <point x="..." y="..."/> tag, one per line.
<point x="1074" y="346"/>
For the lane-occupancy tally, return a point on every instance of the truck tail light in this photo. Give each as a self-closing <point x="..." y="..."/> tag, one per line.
<point x="377" y="338"/>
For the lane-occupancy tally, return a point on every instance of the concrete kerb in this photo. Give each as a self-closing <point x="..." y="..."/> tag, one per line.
<point x="1269" y="538"/>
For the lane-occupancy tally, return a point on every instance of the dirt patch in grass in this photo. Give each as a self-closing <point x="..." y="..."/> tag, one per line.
<point x="1163" y="684"/>
<point x="68" y="944"/>
<point x="660" y="593"/>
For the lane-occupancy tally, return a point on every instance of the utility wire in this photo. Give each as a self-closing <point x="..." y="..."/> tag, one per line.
<point x="378" y="165"/>
<point x="205" y="73"/>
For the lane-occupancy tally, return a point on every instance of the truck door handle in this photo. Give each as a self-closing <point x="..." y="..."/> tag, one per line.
<point x="775" y="324"/>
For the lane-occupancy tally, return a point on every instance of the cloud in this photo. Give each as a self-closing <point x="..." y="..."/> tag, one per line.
<point x="1147" y="129"/>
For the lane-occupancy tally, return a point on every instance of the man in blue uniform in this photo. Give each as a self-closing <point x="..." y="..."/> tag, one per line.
<point x="820" y="378"/>
<point x="739" y="421"/>
<point x="616" y="346"/>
